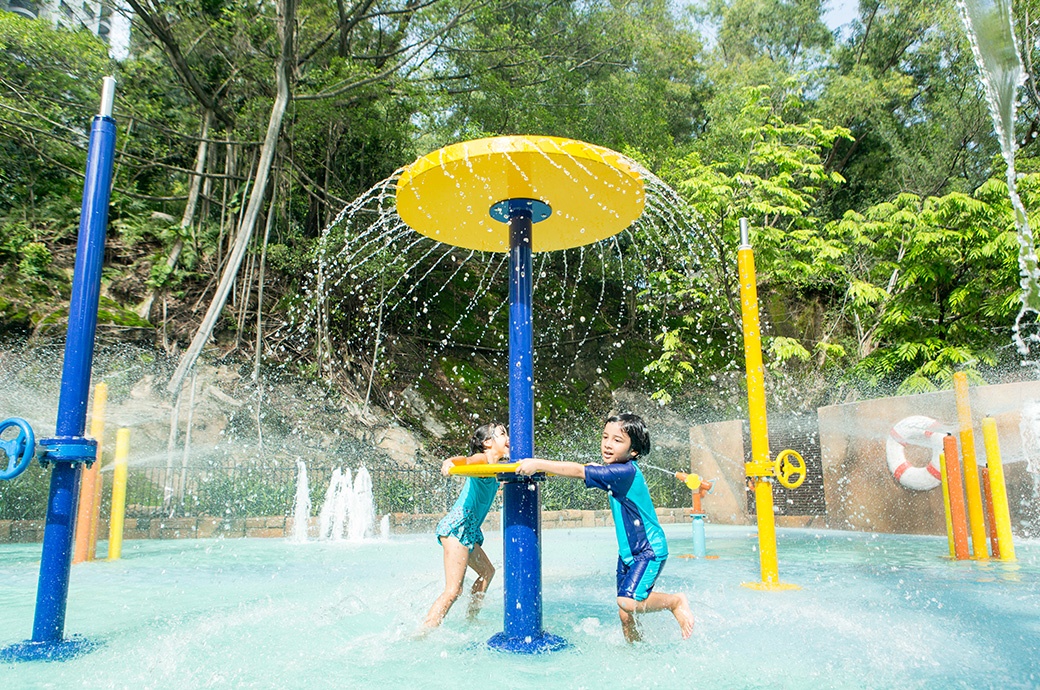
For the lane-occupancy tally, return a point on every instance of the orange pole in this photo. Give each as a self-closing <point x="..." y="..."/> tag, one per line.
<point x="994" y="544"/>
<point x="88" y="487"/>
<point x="958" y="518"/>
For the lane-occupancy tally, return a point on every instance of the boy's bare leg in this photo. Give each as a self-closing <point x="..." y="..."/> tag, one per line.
<point x="678" y="604"/>
<point x="455" y="557"/>
<point x="628" y="625"/>
<point x="481" y="564"/>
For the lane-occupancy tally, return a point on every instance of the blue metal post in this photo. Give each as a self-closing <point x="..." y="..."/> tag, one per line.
<point x="521" y="528"/>
<point x="69" y="450"/>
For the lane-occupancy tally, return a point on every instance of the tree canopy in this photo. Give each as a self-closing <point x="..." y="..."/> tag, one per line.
<point x="863" y="157"/>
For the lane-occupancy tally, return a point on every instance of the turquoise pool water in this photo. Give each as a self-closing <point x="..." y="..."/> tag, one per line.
<point x="874" y="611"/>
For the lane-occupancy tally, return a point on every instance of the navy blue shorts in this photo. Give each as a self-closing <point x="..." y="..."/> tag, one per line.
<point x="636" y="581"/>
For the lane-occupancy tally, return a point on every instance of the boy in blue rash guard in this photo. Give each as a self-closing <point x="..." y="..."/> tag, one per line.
<point x="642" y="549"/>
<point x="459" y="531"/>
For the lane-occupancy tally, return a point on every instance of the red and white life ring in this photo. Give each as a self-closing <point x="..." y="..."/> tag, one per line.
<point x="916" y="430"/>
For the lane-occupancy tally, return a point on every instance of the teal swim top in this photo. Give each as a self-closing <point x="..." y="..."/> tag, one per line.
<point x="639" y="534"/>
<point x="466" y="516"/>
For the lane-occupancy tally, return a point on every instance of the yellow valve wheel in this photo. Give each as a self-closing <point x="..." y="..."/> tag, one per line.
<point x="789" y="464"/>
<point x="581" y="193"/>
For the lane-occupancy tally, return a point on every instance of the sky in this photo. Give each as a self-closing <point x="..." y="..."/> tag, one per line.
<point x="840" y="12"/>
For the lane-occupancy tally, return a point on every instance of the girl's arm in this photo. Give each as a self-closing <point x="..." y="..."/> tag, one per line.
<point x="557" y="467"/>
<point x="478" y="459"/>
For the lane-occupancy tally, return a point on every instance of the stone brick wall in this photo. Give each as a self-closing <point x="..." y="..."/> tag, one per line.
<point x="28" y="531"/>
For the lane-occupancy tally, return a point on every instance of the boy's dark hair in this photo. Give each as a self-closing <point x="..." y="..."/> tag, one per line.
<point x="633" y="425"/>
<point x="484" y="432"/>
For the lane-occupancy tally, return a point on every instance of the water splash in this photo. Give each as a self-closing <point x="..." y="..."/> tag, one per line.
<point x="361" y="515"/>
<point x="1029" y="430"/>
<point x="339" y="505"/>
<point x="371" y="270"/>
<point x="348" y="511"/>
<point x="301" y="505"/>
<point x="325" y="514"/>
<point x="990" y="29"/>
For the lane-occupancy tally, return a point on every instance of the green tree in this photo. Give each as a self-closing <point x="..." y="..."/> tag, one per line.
<point x="623" y="75"/>
<point x="773" y="178"/>
<point x="933" y="288"/>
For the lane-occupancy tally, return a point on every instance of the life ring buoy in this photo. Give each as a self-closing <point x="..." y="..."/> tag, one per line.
<point x="916" y="430"/>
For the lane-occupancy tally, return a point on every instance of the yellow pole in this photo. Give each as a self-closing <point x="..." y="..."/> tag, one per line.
<point x="1001" y="514"/>
<point x="760" y="469"/>
<point x="115" y="521"/>
<point x="946" y="504"/>
<point x="972" y="488"/>
<point x="89" y="481"/>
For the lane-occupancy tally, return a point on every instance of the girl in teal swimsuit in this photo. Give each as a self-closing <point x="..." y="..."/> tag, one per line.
<point x="459" y="532"/>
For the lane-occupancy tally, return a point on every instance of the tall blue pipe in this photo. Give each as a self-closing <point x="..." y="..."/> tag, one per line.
<point x="69" y="450"/>
<point x="521" y="521"/>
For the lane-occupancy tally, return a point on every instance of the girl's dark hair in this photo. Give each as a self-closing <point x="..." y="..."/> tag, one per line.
<point x="633" y="425"/>
<point x="484" y="432"/>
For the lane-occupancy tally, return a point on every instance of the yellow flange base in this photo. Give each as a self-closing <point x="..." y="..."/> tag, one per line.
<point x="594" y="192"/>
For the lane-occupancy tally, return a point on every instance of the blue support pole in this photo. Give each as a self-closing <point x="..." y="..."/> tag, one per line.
<point x="521" y="521"/>
<point x="69" y="450"/>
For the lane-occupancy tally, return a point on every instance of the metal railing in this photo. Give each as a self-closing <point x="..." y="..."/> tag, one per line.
<point x="258" y="490"/>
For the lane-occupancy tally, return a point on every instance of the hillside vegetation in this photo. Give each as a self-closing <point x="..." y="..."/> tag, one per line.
<point x="864" y="160"/>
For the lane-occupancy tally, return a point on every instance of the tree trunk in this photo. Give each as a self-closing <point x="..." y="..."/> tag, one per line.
<point x="260" y="284"/>
<point x="284" y="72"/>
<point x="145" y="307"/>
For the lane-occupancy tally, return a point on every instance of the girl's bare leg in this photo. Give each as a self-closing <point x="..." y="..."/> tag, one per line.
<point x="659" y="601"/>
<point x="481" y="564"/>
<point x="455" y="557"/>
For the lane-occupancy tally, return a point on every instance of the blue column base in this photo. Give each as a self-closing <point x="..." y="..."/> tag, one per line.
<point x="699" y="546"/>
<point x="62" y="650"/>
<point x="542" y="644"/>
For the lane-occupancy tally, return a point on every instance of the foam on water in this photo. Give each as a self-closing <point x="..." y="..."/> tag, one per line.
<point x="873" y="612"/>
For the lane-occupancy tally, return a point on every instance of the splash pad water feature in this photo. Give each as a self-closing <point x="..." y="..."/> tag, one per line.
<point x="1019" y="671"/>
<point x="69" y="450"/>
<point x="490" y="195"/>
<point x="876" y="611"/>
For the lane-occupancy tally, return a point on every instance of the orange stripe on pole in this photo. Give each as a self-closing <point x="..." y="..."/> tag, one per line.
<point x="946" y="503"/>
<point x="958" y="518"/>
<point x="994" y="545"/>
<point x="89" y="479"/>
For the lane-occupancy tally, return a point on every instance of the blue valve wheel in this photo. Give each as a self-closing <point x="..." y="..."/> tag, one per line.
<point x="19" y="450"/>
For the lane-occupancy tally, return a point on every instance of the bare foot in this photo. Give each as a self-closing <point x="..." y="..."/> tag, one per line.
<point x="475" y="602"/>
<point x="684" y="615"/>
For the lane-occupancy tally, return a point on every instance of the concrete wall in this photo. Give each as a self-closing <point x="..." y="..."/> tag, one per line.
<point x="717" y="453"/>
<point x="861" y="492"/>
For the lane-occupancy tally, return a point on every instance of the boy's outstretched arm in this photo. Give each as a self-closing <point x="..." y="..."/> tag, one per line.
<point x="559" y="468"/>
